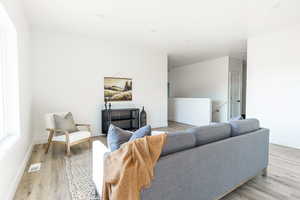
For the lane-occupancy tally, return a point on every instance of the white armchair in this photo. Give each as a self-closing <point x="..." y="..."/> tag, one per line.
<point x="66" y="138"/>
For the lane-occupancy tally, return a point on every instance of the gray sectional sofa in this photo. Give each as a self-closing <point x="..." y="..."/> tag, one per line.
<point x="204" y="163"/>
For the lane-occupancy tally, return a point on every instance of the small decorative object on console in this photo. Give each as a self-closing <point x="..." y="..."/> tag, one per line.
<point x="105" y="100"/>
<point x="143" y="118"/>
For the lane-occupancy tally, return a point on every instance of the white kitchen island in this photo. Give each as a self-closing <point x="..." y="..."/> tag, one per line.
<point x="193" y="111"/>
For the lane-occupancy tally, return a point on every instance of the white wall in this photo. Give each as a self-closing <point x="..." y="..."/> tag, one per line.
<point x="15" y="151"/>
<point x="193" y="111"/>
<point x="69" y="72"/>
<point x="274" y="83"/>
<point x="207" y="79"/>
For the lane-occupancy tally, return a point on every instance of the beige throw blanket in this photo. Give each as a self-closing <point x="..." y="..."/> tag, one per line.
<point x="131" y="168"/>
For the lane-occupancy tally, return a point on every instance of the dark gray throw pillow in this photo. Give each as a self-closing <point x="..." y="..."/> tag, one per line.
<point x="117" y="136"/>
<point x="65" y="123"/>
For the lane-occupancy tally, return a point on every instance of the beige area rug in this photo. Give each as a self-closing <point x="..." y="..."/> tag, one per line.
<point x="79" y="174"/>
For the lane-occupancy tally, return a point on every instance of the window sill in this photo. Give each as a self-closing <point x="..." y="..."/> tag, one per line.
<point x="6" y="144"/>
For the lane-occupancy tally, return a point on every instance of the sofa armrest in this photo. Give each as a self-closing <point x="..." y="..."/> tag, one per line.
<point x="99" y="152"/>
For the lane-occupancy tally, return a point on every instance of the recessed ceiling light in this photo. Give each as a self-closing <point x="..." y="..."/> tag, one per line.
<point x="276" y="4"/>
<point x="100" y="16"/>
<point x="152" y="28"/>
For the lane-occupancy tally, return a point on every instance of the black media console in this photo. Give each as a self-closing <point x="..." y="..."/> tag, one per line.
<point x="127" y="118"/>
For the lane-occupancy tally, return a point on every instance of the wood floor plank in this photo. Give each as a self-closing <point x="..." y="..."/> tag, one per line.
<point x="282" y="182"/>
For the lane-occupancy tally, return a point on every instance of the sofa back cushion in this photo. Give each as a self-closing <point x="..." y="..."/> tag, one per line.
<point x="240" y="127"/>
<point x="178" y="141"/>
<point x="211" y="133"/>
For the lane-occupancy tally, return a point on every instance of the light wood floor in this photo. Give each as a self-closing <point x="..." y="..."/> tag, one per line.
<point x="282" y="182"/>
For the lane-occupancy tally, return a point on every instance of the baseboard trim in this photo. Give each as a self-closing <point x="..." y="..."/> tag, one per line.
<point x="41" y="142"/>
<point x="18" y="177"/>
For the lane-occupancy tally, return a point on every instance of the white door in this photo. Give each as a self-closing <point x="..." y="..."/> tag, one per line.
<point x="235" y="94"/>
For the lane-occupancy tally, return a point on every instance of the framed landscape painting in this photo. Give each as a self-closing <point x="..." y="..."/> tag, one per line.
<point x="117" y="89"/>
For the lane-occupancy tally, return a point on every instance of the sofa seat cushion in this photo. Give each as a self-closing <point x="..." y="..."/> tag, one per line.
<point x="178" y="141"/>
<point x="211" y="133"/>
<point x="240" y="127"/>
<point x="73" y="137"/>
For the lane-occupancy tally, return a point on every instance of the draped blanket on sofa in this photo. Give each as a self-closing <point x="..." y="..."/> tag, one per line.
<point x="131" y="168"/>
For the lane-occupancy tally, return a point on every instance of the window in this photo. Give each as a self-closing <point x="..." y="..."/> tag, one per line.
<point x="9" y="86"/>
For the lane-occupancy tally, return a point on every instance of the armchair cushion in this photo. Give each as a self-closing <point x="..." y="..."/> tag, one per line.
<point x="49" y="119"/>
<point x="65" y="123"/>
<point x="73" y="137"/>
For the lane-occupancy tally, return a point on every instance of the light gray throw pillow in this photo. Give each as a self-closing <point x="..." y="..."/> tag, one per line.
<point x="117" y="136"/>
<point x="65" y="123"/>
<point x="142" y="132"/>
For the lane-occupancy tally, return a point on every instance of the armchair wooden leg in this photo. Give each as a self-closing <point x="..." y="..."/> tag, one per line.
<point x="48" y="146"/>
<point x="90" y="142"/>
<point x="68" y="148"/>
<point x="49" y="141"/>
<point x="265" y="172"/>
<point x="68" y="145"/>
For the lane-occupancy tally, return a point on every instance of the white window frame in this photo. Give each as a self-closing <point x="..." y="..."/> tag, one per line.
<point x="9" y="81"/>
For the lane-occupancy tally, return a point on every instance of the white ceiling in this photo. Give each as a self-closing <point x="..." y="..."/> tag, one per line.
<point x="188" y="30"/>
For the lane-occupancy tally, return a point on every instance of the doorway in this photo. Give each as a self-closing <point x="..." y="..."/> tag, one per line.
<point x="235" y="94"/>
